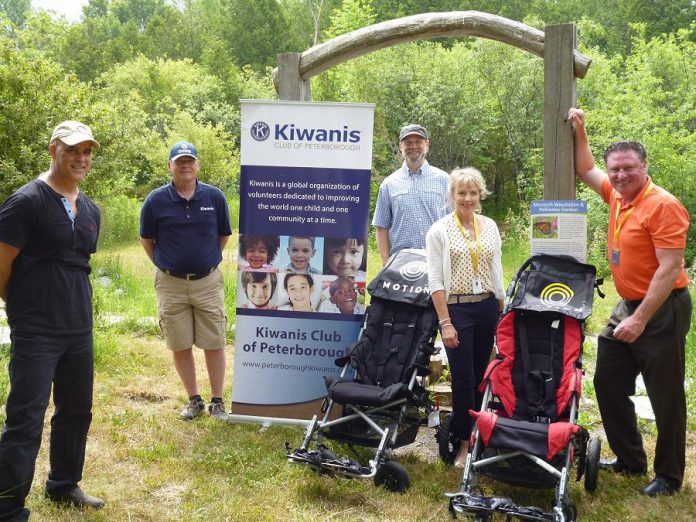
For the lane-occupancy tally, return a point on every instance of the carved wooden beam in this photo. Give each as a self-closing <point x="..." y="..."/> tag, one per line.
<point x="322" y="57"/>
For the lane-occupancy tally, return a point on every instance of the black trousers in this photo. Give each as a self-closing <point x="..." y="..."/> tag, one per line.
<point x="36" y="363"/>
<point x="658" y="354"/>
<point x="475" y="325"/>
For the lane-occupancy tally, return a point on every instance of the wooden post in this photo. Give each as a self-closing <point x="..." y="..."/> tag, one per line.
<point x="559" y="96"/>
<point x="291" y="86"/>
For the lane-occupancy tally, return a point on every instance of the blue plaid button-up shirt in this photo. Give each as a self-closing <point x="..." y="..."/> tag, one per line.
<point x="409" y="203"/>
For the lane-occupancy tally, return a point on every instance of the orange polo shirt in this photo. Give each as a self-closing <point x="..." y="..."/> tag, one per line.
<point x="658" y="221"/>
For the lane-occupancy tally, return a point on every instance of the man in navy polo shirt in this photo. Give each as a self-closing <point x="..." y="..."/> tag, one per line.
<point x="48" y="230"/>
<point x="184" y="226"/>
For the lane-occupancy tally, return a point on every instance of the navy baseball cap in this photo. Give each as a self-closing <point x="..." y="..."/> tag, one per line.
<point x="181" y="149"/>
<point x="412" y="129"/>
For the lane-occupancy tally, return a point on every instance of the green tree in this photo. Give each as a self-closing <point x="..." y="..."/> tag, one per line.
<point x="15" y="11"/>
<point x="649" y="96"/>
<point x="352" y="15"/>
<point x="389" y="9"/>
<point x="480" y="100"/>
<point x="35" y="95"/>
<point x="256" y="31"/>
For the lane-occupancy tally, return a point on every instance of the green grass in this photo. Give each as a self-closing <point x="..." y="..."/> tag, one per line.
<point x="150" y="466"/>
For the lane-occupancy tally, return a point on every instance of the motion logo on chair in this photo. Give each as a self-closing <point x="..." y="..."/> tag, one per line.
<point x="403" y="279"/>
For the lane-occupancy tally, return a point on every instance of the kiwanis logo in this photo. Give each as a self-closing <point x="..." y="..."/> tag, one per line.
<point x="413" y="270"/>
<point x="260" y="131"/>
<point x="556" y="294"/>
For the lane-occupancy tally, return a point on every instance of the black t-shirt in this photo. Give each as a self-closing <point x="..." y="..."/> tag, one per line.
<point x="49" y="290"/>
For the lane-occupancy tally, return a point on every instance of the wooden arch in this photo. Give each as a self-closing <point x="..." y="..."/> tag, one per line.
<point x="556" y="45"/>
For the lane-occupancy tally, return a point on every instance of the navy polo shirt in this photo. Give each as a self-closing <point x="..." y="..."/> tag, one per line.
<point x="49" y="291"/>
<point x="186" y="232"/>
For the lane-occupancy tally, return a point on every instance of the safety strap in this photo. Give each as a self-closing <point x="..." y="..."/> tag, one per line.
<point x="402" y="355"/>
<point x="385" y="349"/>
<point x="529" y="378"/>
<point x="550" y="385"/>
<point x="362" y="348"/>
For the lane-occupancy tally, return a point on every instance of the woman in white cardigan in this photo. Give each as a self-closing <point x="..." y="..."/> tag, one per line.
<point x="465" y="278"/>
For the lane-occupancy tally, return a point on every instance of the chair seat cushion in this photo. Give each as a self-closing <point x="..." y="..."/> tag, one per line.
<point x="542" y="440"/>
<point x="347" y="391"/>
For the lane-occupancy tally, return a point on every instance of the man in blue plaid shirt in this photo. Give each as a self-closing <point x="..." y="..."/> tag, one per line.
<point x="411" y="199"/>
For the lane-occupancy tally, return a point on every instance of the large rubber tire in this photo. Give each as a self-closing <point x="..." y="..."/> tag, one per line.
<point x="594" y="449"/>
<point x="447" y="442"/>
<point x="393" y="477"/>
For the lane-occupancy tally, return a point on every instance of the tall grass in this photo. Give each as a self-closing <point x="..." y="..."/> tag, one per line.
<point x="120" y="221"/>
<point x="119" y="290"/>
<point x="151" y="466"/>
<point x="690" y="362"/>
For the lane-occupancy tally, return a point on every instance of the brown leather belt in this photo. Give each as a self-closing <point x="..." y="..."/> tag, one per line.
<point x="468" y="298"/>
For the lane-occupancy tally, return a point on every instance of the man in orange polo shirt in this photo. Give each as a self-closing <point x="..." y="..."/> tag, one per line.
<point x="647" y="329"/>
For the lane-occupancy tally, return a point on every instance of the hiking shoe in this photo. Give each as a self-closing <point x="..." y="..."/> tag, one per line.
<point x="193" y="409"/>
<point x="217" y="410"/>
<point x="76" y="497"/>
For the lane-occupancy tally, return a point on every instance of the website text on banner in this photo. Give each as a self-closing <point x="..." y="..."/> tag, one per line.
<point x="304" y="209"/>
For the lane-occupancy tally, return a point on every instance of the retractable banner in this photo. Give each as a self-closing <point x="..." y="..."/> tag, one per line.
<point x="303" y="220"/>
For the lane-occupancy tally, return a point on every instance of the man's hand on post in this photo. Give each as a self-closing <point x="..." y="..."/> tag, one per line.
<point x="576" y="117"/>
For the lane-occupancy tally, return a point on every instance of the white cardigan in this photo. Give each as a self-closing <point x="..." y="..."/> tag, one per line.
<point x="439" y="260"/>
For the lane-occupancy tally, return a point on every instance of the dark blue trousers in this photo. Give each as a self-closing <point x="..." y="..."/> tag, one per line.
<point x="36" y="364"/>
<point x="475" y="325"/>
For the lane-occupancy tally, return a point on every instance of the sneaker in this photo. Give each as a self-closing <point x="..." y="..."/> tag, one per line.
<point x="193" y="409"/>
<point x="217" y="410"/>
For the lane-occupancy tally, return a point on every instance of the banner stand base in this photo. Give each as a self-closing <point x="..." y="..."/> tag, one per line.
<point x="266" y="421"/>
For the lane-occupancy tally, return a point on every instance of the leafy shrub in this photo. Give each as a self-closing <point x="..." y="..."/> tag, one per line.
<point x="120" y="221"/>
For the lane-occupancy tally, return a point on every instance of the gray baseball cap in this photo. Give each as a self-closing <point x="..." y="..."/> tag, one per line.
<point x="412" y="129"/>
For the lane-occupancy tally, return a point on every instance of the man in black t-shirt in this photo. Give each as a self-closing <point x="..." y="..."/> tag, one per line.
<point x="48" y="230"/>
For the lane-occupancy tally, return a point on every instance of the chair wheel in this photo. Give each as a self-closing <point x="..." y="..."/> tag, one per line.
<point x="393" y="476"/>
<point x="447" y="442"/>
<point x="594" y="448"/>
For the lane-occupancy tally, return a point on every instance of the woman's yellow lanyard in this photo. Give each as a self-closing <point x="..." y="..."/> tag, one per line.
<point x="474" y="250"/>
<point x="619" y="223"/>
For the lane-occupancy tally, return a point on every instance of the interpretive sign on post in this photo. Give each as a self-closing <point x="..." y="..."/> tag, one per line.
<point x="559" y="227"/>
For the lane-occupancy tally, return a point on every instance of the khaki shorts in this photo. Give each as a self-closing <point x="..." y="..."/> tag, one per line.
<point x="191" y="312"/>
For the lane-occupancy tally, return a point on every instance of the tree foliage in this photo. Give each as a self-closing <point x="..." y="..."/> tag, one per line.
<point x="15" y="10"/>
<point x="35" y="94"/>
<point x="144" y="73"/>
